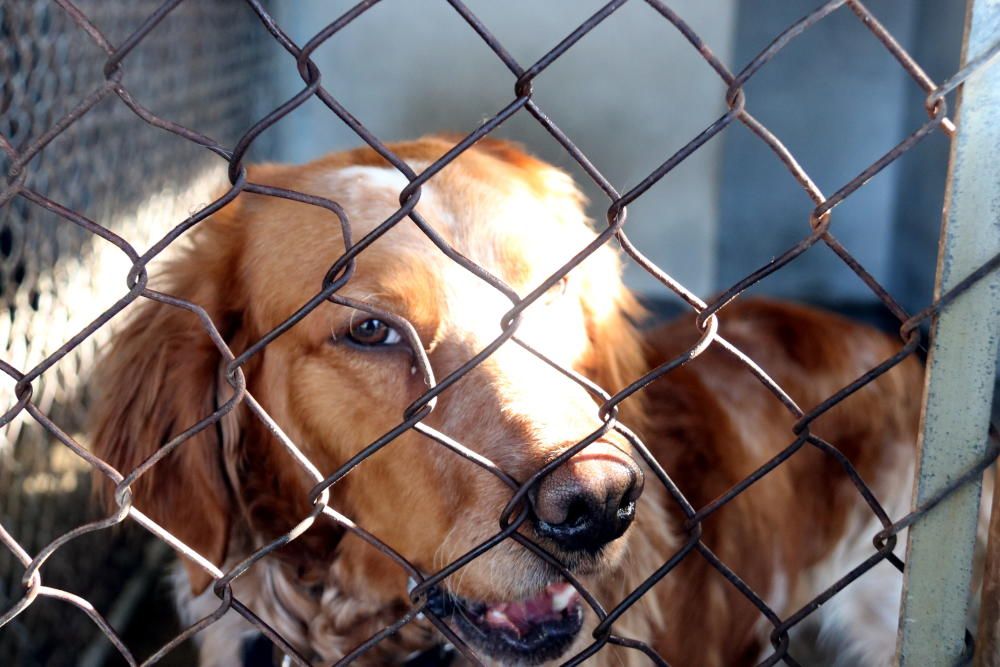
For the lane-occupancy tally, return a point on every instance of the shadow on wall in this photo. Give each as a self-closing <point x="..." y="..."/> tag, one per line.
<point x="839" y="101"/>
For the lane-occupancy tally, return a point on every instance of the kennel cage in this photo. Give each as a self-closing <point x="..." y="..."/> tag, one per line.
<point x="104" y="160"/>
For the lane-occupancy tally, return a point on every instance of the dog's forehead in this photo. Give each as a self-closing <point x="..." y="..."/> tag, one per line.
<point x="501" y="227"/>
<point x="487" y="216"/>
<point x="519" y="230"/>
<point x="512" y="228"/>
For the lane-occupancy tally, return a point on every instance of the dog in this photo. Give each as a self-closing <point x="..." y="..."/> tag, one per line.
<point x="342" y="377"/>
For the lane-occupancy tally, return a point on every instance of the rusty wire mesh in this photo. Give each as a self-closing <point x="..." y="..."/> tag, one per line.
<point x="26" y="152"/>
<point x="138" y="181"/>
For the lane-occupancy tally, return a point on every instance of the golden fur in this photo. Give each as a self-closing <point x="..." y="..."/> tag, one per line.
<point x="709" y="423"/>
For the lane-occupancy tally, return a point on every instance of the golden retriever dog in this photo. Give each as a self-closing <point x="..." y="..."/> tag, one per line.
<point x="343" y="376"/>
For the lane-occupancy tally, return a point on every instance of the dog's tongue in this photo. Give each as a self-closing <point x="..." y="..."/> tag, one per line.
<point x="520" y="617"/>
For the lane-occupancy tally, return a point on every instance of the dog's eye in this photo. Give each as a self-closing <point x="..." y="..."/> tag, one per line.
<point x="373" y="332"/>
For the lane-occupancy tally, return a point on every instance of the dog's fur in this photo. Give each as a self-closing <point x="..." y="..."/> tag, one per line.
<point x="709" y="423"/>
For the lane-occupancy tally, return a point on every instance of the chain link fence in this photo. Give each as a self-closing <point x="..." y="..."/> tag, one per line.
<point x="97" y="171"/>
<point x="111" y="166"/>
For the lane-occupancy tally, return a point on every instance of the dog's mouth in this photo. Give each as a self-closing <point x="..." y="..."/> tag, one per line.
<point x="524" y="632"/>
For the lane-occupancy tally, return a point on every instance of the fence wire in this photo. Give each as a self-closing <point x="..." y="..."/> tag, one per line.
<point x="53" y="276"/>
<point x="27" y="189"/>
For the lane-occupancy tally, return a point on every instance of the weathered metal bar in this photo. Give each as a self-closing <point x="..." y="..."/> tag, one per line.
<point x="961" y="367"/>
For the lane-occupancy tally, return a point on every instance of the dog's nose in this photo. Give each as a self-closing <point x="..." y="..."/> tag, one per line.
<point x="589" y="500"/>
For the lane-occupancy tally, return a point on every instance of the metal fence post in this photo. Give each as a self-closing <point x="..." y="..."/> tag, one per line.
<point x="961" y="367"/>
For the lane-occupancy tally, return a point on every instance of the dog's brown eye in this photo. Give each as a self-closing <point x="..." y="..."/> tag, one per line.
<point x="373" y="332"/>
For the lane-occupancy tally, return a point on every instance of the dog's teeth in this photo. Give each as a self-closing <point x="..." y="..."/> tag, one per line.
<point x="495" y="618"/>
<point x="562" y="596"/>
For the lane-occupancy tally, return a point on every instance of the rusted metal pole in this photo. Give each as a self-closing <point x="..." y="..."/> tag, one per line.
<point x="961" y="367"/>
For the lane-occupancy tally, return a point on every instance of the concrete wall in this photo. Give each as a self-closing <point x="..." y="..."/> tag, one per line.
<point x="633" y="91"/>
<point x="629" y="94"/>
<point x="839" y="101"/>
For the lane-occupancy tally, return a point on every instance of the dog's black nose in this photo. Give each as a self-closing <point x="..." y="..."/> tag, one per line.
<point x="589" y="500"/>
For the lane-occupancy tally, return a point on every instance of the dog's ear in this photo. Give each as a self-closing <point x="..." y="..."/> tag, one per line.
<point x="160" y="377"/>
